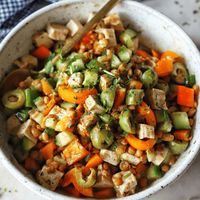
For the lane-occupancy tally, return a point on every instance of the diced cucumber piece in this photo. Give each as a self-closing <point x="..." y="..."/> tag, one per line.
<point x="48" y="66"/>
<point x="165" y="126"/>
<point x="108" y="97"/>
<point x="168" y="157"/>
<point x="76" y="66"/>
<point x="61" y="65"/>
<point x="178" y="147"/>
<point x="126" y="122"/>
<point x="64" y="138"/>
<point x="180" y="120"/>
<point x="134" y="97"/>
<point x="50" y="123"/>
<point x="149" y="78"/>
<point x="94" y="65"/>
<point x="124" y="54"/>
<point x="49" y="131"/>
<point x="38" y="118"/>
<point x="91" y="78"/>
<point x="127" y="37"/>
<point x="161" y="115"/>
<point x="27" y="144"/>
<point x="106" y="118"/>
<point x="150" y="155"/>
<point x="39" y="102"/>
<point x="30" y="95"/>
<point x="67" y="105"/>
<point x="115" y="61"/>
<point x="153" y="172"/>
<point x="22" y="115"/>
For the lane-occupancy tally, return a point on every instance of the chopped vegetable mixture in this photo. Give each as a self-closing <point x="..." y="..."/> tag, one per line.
<point x="105" y="120"/>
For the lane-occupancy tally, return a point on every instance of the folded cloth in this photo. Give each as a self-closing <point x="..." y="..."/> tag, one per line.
<point x="13" y="11"/>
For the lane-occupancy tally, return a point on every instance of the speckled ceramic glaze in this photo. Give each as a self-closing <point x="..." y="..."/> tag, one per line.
<point x="156" y="31"/>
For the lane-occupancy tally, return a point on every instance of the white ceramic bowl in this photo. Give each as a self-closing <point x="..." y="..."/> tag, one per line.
<point x="157" y="32"/>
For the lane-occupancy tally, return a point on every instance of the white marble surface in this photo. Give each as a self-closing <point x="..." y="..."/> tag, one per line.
<point x="186" y="13"/>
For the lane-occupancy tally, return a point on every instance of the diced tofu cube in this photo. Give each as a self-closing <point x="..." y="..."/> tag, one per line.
<point x="157" y="99"/>
<point x="130" y="158"/>
<point x="57" y="31"/>
<point x="47" y="179"/>
<point x="36" y="116"/>
<point x="146" y="131"/>
<point x="62" y="79"/>
<point x="76" y="80"/>
<point x="105" y="82"/>
<point x="82" y="130"/>
<point x="61" y="113"/>
<point x="128" y="186"/>
<point x="92" y="105"/>
<point x="109" y="157"/>
<point x="104" y="178"/>
<point x="12" y="125"/>
<point x="109" y="35"/>
<point x="158" y="157"/>
<point x="27" y="61"/>
<point x="25" y="130"/>
<point x="74" y="152"/>
<point x="42" y="38"/>
<point x="88" y="119"/>
<point x="114" y="21"/>
<point x="74" y="26"/>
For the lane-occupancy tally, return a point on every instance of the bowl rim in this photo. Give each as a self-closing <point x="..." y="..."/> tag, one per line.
<point x="45" y="193"/>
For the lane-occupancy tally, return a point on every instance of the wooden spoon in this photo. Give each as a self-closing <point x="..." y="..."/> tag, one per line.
<point x="15" y="77"/>
<point x="70" y="43"/>
<point x="12" y="80"/>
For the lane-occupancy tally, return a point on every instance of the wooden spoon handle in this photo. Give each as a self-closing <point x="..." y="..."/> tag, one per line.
<point x="69" y="44"/>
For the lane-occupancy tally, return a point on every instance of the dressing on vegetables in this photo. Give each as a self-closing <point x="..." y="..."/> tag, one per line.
<point x="107" y="119"/>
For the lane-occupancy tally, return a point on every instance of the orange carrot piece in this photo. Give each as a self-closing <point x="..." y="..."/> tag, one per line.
<point x="88" y="192"/>
<point x="31" y="165"/>
<point x="48" y="150"/>
<point x="140" y="168"/>
<point x="142" y="53"/>
<point x="155" y="53"/>
<point x="185" y="96"/>
<point x="93" y="162"/>
<point x="50" y="105"/>
<point x="140" y="144"/>
<point x="119" y="97"/>
<point x="148" y="113"/>
<point x="74" y="152"/>
<point x="169" y="55"/>
<point x="46" y="87"/>
<point x="104" y="193"/>
<point x="138" y="84"/>
<point x="70" y="178"/>
<point x="41" y="52"/>
<point x="182" y="135"/>
<point x="164" y="67"/>
<point x="72" y="191"/>
<point x="71" y="96"/>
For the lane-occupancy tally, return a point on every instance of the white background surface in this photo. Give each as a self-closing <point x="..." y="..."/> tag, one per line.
<point x="186" y="13"/>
